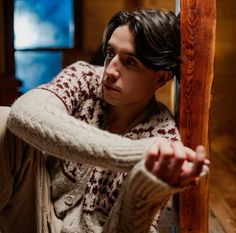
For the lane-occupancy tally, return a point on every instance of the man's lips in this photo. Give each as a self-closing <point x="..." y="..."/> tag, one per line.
<point x="110" y="87"/>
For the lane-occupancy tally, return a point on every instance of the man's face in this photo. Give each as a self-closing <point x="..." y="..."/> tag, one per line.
<point x="126" y="81"/>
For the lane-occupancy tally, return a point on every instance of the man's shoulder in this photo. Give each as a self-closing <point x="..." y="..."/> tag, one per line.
<point x="76" y="84"/>
<point x="85" y="68"/>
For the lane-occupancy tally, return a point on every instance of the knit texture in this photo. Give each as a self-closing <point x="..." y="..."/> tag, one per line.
<point x="140" y="200"/>
<point x="63" y="119"/>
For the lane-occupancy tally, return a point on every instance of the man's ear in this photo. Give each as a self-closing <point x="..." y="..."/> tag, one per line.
<point x="163" y="77"/>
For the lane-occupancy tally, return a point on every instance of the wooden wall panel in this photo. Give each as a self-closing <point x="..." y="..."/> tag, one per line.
<point x="153" y="4"/>
<point x="224" y="94"/>
<point x="167" y="4"/>
<point x="95" y="17"/>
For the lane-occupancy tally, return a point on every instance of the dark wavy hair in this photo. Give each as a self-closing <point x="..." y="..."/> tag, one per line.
<point x="156" y="33"/>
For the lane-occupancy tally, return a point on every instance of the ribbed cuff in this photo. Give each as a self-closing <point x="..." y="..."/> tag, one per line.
<point x="148" y="186"/>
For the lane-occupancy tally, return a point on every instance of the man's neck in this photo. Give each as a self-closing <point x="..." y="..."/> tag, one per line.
<point x="120" y="119"/>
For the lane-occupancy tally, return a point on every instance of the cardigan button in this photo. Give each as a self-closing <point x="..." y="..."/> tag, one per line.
<point x="69" y="200"/>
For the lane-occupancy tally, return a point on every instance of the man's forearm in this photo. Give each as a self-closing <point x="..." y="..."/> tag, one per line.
<point x="41" y="119"/>
<point x="142" y="197"/>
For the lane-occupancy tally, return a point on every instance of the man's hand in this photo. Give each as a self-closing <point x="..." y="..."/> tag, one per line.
<point x="174" y="163"/>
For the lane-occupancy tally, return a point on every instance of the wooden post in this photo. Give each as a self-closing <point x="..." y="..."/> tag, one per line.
<point x="198" y="25"/>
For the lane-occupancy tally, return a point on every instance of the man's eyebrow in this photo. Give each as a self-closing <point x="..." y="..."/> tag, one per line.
<point x="133" y="54"/>
<point x="127" y="53"/>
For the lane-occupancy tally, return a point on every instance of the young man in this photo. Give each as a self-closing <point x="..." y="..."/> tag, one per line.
<point x="94" y="151"/>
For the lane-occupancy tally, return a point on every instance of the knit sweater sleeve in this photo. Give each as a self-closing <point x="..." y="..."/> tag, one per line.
<point x="142" y="197"/>
<point x="41" y="119"/>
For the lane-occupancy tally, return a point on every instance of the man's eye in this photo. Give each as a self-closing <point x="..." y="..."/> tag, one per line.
<point x="130" y="62"/>
<point x="110" y="54"/>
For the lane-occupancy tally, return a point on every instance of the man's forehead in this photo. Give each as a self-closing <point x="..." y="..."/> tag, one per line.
<point x="122" y="49"/>
<point x="122" y="39"/>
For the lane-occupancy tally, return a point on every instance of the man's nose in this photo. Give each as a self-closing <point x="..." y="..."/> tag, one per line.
<point x="112" y="68"/>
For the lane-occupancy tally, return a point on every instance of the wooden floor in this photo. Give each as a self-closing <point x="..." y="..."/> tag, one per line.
<point x="222" y="196"/>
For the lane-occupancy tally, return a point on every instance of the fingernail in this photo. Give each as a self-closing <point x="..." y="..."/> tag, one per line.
<point x="207" y="161"/>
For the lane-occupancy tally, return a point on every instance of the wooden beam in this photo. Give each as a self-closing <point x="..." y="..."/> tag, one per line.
<point x="198" y="25"/>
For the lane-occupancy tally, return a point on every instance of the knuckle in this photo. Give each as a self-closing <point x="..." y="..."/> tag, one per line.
<point x="180" y="157"/>
<point x="200" y="160"/>
<point x="196" y="172"/>
<point x="167" y="156"/>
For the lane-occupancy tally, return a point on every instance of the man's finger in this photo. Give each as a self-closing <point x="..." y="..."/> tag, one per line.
<point x="152" y="156"/>
<point x="166" y="152"/>
<point x="192" y="172"/>
<point x="191" y="154"/>
<point x="149" y="162"/>
<point x="177" y="162"/>
<point x="199" y="161"/>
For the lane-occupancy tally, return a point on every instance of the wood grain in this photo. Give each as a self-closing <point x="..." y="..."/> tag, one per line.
<point x="167" y="4"/>
<point x="198" y="25"/>
<point x="222" y="180"/>
<point x="223" y="109"/>
<point x="215" y="226"/>
<point x="96" y="15"/>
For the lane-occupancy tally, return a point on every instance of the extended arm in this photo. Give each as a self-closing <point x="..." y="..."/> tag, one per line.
<point x="169" y="167"/>
<point x="41" y="119"/>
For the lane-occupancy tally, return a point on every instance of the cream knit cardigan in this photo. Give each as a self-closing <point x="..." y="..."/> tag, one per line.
<point x="41" y="119"/>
